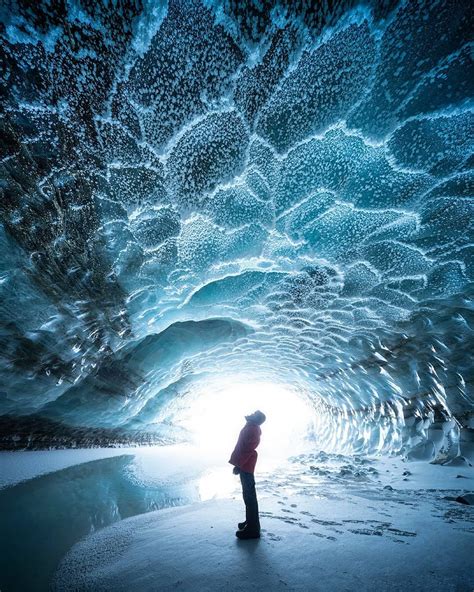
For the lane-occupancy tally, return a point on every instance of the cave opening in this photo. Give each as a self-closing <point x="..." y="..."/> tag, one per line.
<point x="217" y="414"/>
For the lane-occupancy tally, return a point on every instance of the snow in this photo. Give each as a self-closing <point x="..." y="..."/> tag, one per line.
<point x="125" y="518"/>
<point x="329" y="523"/>
<point x="166" y="463"/>
<point x="16" y="467"/>
<point x="193" y="548"/>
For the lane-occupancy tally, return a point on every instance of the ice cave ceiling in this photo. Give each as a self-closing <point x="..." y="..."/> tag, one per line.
<point x="212" y="189"/>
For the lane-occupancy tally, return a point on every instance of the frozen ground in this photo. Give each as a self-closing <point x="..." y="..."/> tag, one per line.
<point x="307" y="544"/>
<point x="22" y="466"/>
<point x="330" y="522"/>
<point x="17" y="467"/>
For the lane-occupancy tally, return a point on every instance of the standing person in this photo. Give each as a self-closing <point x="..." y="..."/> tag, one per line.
<point x="244" y="459"/>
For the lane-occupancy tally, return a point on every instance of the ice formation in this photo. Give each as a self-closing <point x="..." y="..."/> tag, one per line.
<point x="196" y="190"/>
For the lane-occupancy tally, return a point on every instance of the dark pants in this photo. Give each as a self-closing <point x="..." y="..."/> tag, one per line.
<point x="250" y="500"/>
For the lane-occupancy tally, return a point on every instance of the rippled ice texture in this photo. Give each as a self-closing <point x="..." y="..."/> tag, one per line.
<point x="195" y="189"/>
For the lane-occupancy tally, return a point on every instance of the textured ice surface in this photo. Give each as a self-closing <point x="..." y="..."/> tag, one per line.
<point x="196" y="189"/>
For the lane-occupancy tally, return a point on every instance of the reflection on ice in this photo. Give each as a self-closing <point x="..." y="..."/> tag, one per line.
<point x="218" y="483"/>
<point x="43" y="517"/>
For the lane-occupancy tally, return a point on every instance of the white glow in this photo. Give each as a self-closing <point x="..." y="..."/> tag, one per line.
<point x="216" y="416"/>
<point x="218" y="483"/>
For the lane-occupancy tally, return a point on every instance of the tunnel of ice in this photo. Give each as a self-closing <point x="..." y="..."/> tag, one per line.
<point x="193" y="191"/>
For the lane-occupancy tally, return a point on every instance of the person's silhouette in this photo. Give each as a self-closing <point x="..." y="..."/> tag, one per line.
<point x="244" y="459"/>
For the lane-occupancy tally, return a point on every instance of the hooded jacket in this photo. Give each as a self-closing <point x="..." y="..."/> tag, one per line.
<point x="244" y="455"/>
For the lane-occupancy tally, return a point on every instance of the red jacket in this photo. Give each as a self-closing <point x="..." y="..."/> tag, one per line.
<point x="244" y="455"/>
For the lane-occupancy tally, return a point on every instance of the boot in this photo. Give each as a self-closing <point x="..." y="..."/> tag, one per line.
<point x="242" y="525"/>
<point x="248" y="533"/>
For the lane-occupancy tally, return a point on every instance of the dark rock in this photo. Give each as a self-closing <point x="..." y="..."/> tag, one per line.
<point x="467" y="499"/>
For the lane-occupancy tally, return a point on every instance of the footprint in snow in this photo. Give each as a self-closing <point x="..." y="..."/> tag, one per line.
<point x="272" y="536"/>
<point x="323" y="536"/>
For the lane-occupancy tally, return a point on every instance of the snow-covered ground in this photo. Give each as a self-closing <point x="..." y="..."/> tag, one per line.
<point x="28" y="464"/>
<point x="330" y="522"/>
<point x="167" y="461"/>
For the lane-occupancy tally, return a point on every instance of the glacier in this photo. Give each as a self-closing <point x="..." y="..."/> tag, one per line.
<point x="202" y="196"/>
<point x="194" y="190"/>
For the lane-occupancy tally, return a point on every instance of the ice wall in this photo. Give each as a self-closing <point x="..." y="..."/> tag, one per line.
<point x="193" y="189"/>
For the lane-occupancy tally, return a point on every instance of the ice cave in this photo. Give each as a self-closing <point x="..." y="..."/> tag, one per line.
<point x="210" y="208"/>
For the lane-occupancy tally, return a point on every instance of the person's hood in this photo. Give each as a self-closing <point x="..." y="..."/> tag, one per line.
<point x="256" y="418"/>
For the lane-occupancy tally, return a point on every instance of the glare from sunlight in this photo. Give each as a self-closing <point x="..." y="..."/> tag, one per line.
<point x="217" y="414"/>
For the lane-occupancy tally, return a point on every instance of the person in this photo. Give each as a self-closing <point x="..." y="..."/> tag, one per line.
<point x="244" y="459"/>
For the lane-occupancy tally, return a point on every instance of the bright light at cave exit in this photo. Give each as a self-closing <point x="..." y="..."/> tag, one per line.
<point x="217" y="415"/>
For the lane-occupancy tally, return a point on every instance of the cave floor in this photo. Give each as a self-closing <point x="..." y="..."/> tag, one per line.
<point x="328" y="523"/>
<point x="162" y="519"/>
